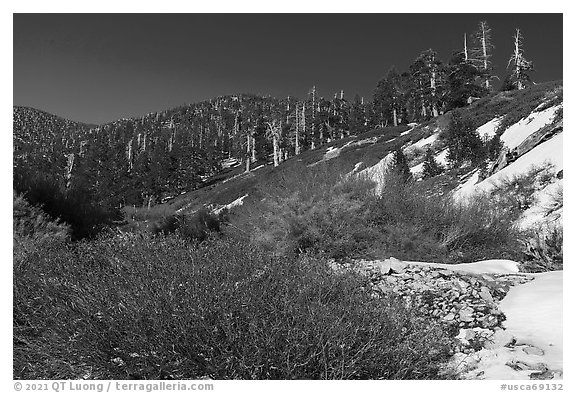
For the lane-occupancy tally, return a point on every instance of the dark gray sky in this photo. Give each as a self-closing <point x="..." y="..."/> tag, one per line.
<point x="97" y="68"/>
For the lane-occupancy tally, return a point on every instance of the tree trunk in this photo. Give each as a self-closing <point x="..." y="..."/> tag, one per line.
<point x="297" y="137"/>
<point x="465" y="49"/>
<point x="253" y="149"/>
<point x="276" y="149"/>
<point x="303" y="121"/>
<point x="248" y="146"/>
<point x="433" y="89"/>
<point x="395" y="117"/>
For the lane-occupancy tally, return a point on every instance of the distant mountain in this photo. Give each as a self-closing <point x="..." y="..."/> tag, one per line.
<point x="143" y="160"/>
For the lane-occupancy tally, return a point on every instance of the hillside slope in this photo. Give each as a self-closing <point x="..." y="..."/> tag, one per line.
<point x="529" y="122"/>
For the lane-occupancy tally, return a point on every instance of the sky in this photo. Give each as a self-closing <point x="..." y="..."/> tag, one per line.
<point x="97" y="68"/>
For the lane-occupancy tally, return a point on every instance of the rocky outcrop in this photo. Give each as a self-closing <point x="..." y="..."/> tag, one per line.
<point x="465" y="302"/>
<point x="509" y="156"/>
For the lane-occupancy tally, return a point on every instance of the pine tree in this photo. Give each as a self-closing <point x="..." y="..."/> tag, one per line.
<point x="387" y="100"/>
<point x="520" y="66"/>
<point x="400" y="165"/>
<point x="431" y="167"/>
<point x="464" y="143"/>
<point x="462" y="82"/>
<point x="427" y="84"/>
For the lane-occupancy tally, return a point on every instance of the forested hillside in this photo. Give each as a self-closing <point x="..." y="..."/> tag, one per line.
<point x="144" y="161"/>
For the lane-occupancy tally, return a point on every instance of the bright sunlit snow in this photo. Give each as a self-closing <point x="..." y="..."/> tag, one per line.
<point x="517" y="133"/>
<point x="488" y="130"/>
<point x="549" y="151"/>
<point x="377" y="173"/>
<point x="546" y="209"/>
<point x="426" y="141"/>
<point x="237" y="202"/>
<point x="534" y="321"/>
<point x="500" y="266"/>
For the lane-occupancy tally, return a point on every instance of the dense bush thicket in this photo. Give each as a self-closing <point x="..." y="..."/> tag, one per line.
<point x="542" y="245"/>
<point x="319" y="210"/>
<point x="198" y="226"/>
<point x="31" y="221"/>
<point x="75" y="207"/>
<point x="340" y="216"/>
<point x="159" y="307"/>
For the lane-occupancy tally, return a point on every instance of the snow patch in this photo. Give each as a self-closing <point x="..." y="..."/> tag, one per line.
<point x="499" y="266"/>
<point x="331" y="152"/>
<point x="517" y="133"/>
<point x="412" y="125"/>
<point x="488" y="130"/>
<point x="235" y="203"/>
<point x="417" y="169"/>
<point x="534" y="320"/>
<point x="229" y="163"/>
<point x="537" y="216"/>
<point x="466" y="190"/>
<point x="441" y="158"/>
<point x="426" y="141"/>
<point x="549" y="151"/>
<point x="377" y="173"/>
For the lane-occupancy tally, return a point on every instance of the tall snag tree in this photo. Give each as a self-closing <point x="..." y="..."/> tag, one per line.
<point x="274" y="132"/>
<point x="482" y="52"/>
<point x="520" y="65"/>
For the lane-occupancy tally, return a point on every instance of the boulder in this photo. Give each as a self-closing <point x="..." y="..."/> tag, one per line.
<point x="486" y="296"/>
<point x="449" y="317"/>
<point x="530" y="350"/>
<point x="467" y="314"/>
<point x="397" y="265"/>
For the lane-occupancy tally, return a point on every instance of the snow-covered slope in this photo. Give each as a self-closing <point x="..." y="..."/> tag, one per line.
<point x="546" y="211"/>
<point x="531" y="346"/>
<point x="488" y="130"/>
<point x="377" y="173"/>
<point x="517" y="133"/>
<point x="547" y="152"/>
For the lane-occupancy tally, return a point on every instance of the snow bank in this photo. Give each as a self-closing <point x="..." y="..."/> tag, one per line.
<point x="377" y="173"/>
<point x="332" y="152"/>
<point x="237" y="202"/>
<point x="441" y="158"/>
<point x="488" y="130"/>
<point x="517" y="133"/>
<point x="467" y="189"/>
<point x="537" y="215"/>
<point x="549" y="151"/>
<point x="412" y="126"/>
<point x="534" y="315"/>
<point x="426" y="141"/>
<point x="499" y="266"/>
<point x="534" y="320"/>
<point x="417" y="169"/>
